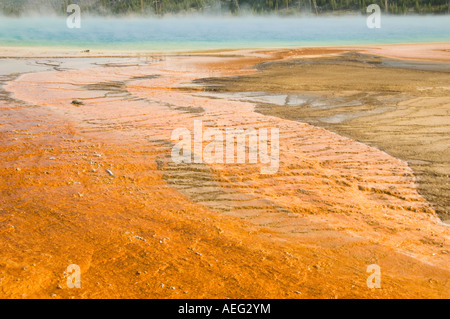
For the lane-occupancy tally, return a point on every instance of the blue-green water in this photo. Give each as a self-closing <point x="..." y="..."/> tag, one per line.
<point x="183" y="33"/>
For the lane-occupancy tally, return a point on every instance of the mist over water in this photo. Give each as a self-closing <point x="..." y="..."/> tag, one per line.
<point x="218" y="32"/>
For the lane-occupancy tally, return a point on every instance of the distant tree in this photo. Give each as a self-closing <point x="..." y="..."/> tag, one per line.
<point x="16" y="7"/>
<point x="315" y="6"/>
<point x="236" y="4"/>
<point x="416" y="7"/>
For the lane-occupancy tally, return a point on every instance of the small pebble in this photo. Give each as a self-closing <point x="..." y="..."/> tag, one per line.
<point x="76" y="102"/>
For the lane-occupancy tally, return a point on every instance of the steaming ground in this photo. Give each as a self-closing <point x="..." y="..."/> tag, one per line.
<point x="93" y="185"/>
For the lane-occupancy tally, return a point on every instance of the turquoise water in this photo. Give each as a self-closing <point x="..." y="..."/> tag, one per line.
<point x="157" y="34"/>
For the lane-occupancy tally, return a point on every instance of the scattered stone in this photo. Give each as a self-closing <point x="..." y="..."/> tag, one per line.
<point x="58" y="287"/>
<point x="18" y="169"/>
<point x="162" y="285"/>
<point x="110" y="173"/>
<point x="76" y="102"/>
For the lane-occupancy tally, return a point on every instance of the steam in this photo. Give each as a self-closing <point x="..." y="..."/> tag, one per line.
<point x="43" y="23"/>
<point x="31" y="8"/>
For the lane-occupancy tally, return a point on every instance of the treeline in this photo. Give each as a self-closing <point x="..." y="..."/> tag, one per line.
<point x="282" y="7"/>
